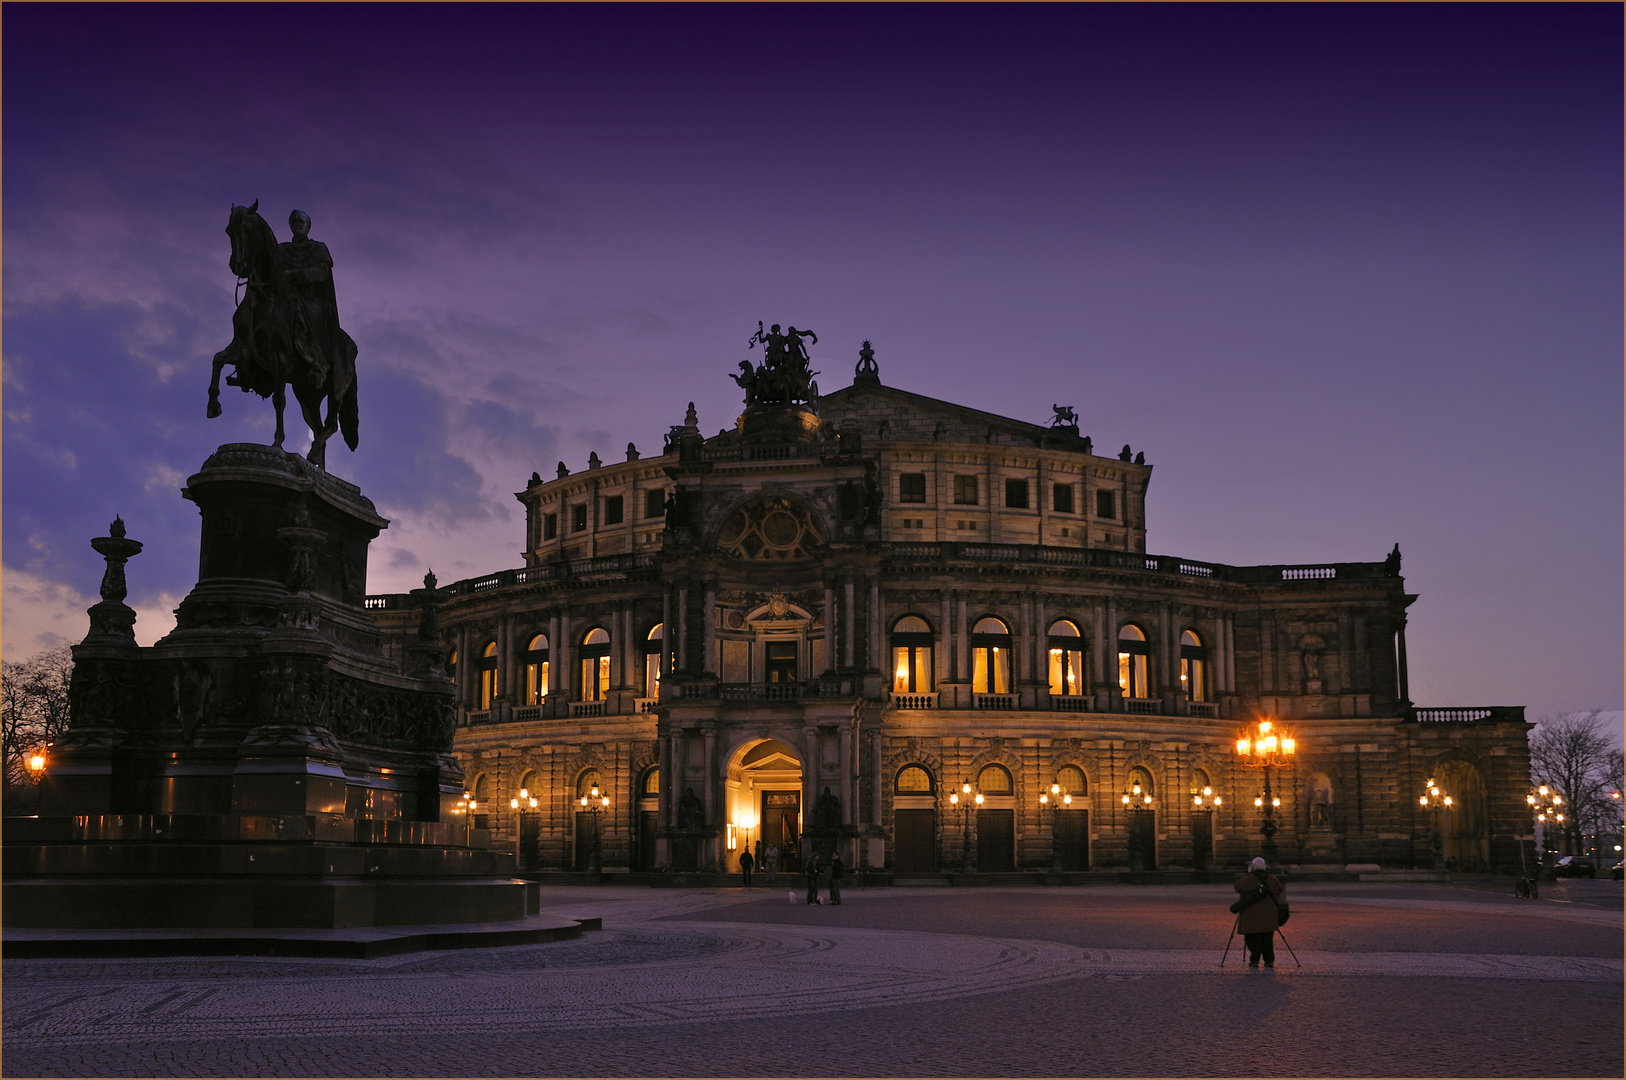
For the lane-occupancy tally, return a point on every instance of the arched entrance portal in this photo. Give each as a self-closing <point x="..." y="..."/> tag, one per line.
<point x="765" y="804"/>
<point x="1466" y="839"/>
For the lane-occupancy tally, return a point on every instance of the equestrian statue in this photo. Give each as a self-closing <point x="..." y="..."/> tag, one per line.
<point x="286" y="331"/>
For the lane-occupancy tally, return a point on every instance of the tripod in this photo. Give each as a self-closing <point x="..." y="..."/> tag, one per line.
<point x="1237" y="921"/>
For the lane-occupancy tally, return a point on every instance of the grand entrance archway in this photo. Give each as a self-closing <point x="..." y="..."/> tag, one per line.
<point x="765" y="804"/>
<point x="1466" y="840"/>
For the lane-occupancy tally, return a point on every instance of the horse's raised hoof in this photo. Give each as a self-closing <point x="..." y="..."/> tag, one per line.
<point x="214" y="408"/>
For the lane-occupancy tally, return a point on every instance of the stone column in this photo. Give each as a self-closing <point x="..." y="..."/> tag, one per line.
<point x="1400" y="661"/>
<point x="1230" y="654"/>
<point x="847" y="645"/>
<point x="875" y="776"/>
<point x="710" y="774"/>
<point x="564" y="659"/>
<point x="875" y="625"/>
<point x="710" y="663"/>
<point x="810" y="779"/>
<point x="668" y="778"/>
<point x="829" y="627"/>
<point x="683" y="628"/>
<point x="942" y="655"/>
<point x="505" y="656"/>
<point x="1041" y="651"/>
<point x="962" y="644"/>
<point x="668" y="632"/>
<point x="849" y="789"/>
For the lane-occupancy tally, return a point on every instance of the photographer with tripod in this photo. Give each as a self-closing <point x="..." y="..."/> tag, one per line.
<point x="1258" y="915"/>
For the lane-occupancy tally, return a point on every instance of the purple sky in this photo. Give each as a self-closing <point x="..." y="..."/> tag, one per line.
<point x="1349" y="275"/>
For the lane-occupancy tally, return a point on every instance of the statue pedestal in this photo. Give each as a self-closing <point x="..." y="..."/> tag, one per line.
<point x="266" y="754"/>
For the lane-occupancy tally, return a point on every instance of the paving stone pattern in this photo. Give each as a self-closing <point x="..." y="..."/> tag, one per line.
<point x="702" y="982"/>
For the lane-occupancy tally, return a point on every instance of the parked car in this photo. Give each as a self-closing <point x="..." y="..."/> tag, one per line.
<point x="1618" y="871"/>
<point x="1575" y="866"/>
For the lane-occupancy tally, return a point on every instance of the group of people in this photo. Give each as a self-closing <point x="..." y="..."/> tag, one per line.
<point x="768" y="860"/>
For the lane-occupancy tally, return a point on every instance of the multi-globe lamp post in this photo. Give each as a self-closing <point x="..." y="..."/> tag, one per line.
<point x="1055" y="799"/>
<point x="965" y="804"/>
<point x="595" y="803"/>
<point x="1261" y="746"/>
<point x="1438" y="804"/>
<point x="1547" y="805"/>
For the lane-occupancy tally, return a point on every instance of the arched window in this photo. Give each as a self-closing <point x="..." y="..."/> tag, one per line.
<point x="527" y="797"/>
<point x="1066" y="659"/>
<point x="652" y="784"/>
<point x="1070" y="778"/>
<point x="652" y="660"/>
<point x="482" y="788"/>
<point x="1194" y="667"/>
<point x="488" y="675"/>
<point x="911" y="656"/>
<point x="451" y="664"/>
<point x="1138" y="795"/>
<point x="536" y="670"/>
<point x="994" y="780"/>
<point x="595" y="658"/>
<point x="990" y="657"/>
<point x="586" y="782"/>
<point x="1203" y="796"/>
<point x="1134" y="663"/>
<point x="914" y="780"/>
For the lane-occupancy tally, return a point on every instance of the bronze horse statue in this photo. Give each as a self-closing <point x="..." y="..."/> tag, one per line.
<point x="285" y="330"/>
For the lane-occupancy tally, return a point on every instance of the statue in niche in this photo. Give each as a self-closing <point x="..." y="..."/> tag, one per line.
<point x="827" y="811"/>
<point x="1312" y="666"/>
<point x="691" y="812"/>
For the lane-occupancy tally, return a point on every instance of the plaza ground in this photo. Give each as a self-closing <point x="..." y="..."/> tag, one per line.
<point x="1455" y="979"/>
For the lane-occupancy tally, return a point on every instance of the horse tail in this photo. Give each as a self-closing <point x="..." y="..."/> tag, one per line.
<point x="349" y="419"/>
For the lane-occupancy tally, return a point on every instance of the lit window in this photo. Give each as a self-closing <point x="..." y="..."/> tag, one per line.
<point x="912" y="487"/>
<point x="1066" y="659"/>
<point x="578" y="517"/>
<point x="1016" y="494"/>
<point x="652" y="660"/>
<point x="965" y="490"/>
<point x="913" y="780"/>
<point x="587" y="782"/>
<point x="994" y="780"/>
<point x="1194" y="668"/>
<point x="488" y="675"/>
<point x="990" y="657"/>
<point x="595" y="662"/>
<point x="1134" y="663"/>
<point x="536" y="670"/>
<point x="652" y="782"/>
<point x="1061" y="498"/>
<point x="780" y="662"/>
<point x="1106" y="506"/>
<point x="1070" y="778"/>
<point x="612" y="510"/>
<point x="911" y="656"/>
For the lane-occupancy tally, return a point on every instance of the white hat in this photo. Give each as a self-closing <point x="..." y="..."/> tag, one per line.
<point x="1257" y="864"/>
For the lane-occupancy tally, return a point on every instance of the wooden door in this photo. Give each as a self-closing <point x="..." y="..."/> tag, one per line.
<point x="584" y="839"/>
<point x="996" y="841"/>
<point x="646" y="839"/>
<point x="914" y="841"/>
<point x="1202" y="839"/>
<point x="1072" y="832"/>
<point x="530" y="841"/>
<point x="1142" y="840"/>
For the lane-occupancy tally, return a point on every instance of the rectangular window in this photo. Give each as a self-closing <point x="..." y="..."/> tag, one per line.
<point x="965" y="490"/>
<point x="595" y="678"/>
<point x="1066" y="672"/>
<point x="654" y="503"/>
<point x="1061" y="499"/>
<point x="912" y="487"/>
<point x="1105" y="505"/>
<point x="990" y="671"/>
<point x="550" y="526"/>
<point x="781" y="662"/>
<point x="1016" y="494"/>
<point x="612" y="510"/>
<point x="578" y="517"/>
<point x="536" y="682"/>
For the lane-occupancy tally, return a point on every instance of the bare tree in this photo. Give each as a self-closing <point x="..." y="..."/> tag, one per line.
<point x="33" y="711"/>
<point x="1572" y="754"/>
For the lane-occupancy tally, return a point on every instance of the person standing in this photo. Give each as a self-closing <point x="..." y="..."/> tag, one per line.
<point x="1257" y="921"/>
<point x="835" y="878"/>
<point x="746" y="863"/>
<point x="813" y="878"/>
<point x="772" y="863"/>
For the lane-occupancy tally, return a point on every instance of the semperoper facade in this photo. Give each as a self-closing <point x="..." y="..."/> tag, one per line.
<point x="876" y="621"/>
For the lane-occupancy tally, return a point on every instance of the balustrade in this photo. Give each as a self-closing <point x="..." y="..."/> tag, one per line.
<point x="913" y="701"/>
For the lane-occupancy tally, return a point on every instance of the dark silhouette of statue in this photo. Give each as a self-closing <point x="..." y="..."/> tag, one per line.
<point x="827" y="811"/>
<point x="285" y="331"/>
<point x="1066" y="416"/>
<point x="1123" y="455"/>
<point x="691" y="812"/>
<point x="1391" y="565"/>
<point x="783" y="377"/>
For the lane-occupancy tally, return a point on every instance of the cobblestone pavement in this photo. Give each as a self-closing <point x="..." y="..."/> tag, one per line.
<point x="1395" y="980"/>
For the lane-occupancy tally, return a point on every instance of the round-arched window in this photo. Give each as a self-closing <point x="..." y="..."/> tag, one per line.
<point x="1194" y="674"/>
<point x="595" y="664"/>
<point x="1134" y="663"/>
<point x="587" y="781"/>
<point x="1066" y="660"/>
<point x="652" y="783"/>
<point x="914" y="780"/>
<point x="1138" y="794"/>
<point x="488" y="675"/>
<point x="990" y="657"/>
<point x="994" y="780"/>
<point x="482" y="788"/>
<point x="1070" y="778"/>
<point x="912" y="656"/>
<point x="653" y="644"/>
<point x="536" y="669"/>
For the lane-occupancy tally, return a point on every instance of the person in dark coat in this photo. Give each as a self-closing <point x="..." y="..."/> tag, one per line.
<point x="835" y="878"/>
<point x="813" y="878"/>
<point x="1258" y="921"/>
<point x="746" y="863"/>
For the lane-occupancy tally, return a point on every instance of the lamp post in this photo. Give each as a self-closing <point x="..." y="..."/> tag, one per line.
<point x="1055" y="798"/>
<point x="36" y="764"/>
<point x="1437" y="804"/>
<point x="965" y="805"/>
<point x="594" y="803"/>
<point x="1203" y="801"/>
<point x="1262" y="747"/>
<point x="525" y="801"/>
<point x="1547" y="805"/>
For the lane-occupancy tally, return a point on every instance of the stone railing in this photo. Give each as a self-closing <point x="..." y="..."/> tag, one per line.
<point x="601" y="568"/>
<point x="482" y="716"/>
<point x="1071" y="702"/>
<point x="586" y="708"/>
<point x="1496" y="714"/>
<point x="912" y="701"/>
<point x="948" y="551"/>
<point x="1144" y="706"/>
<point x="1001" y="702"/>
<point x="528" y="712"/>
<point x="645" y="704"/>
<point x="1209" y="709"/>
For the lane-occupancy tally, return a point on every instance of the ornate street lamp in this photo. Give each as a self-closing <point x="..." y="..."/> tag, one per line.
<point x="36" y="764"/>
<point x="965" y="805"/>
<point x="1205" y="799"/>
<point x="1262" y="747"/>
<point x="1136" y="799"/>
<point x="595" y="804"/>
<point x="1547" y="805"/>
<point x="1055" y="799"/>
<point x="1436" y="803"/>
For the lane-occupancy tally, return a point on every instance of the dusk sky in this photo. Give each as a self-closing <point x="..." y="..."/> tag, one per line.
<point x="1348" y="275"/>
